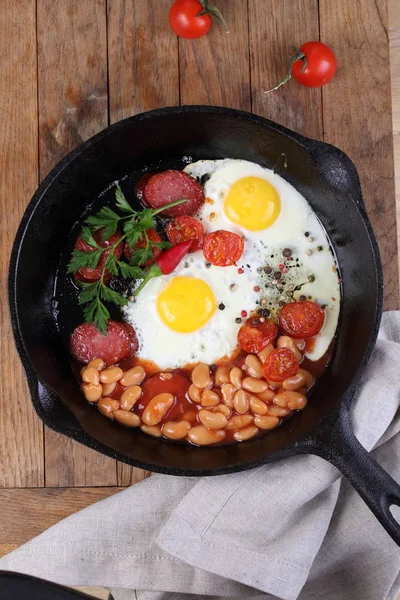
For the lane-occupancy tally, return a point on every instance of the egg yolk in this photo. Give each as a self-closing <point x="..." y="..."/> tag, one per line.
<point x="252" y="203"/>
<point x="186" y="304"/>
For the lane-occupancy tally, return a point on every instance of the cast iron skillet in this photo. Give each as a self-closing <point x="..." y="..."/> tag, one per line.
<point x="163" y="139"/>
<point x="20" y="587"/>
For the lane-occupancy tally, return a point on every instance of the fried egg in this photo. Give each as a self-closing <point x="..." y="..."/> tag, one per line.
<point x="273" y="216"/>
<point x="189" y="315"/>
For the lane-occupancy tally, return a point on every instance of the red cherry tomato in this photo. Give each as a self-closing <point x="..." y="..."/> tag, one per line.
<point x="185" y="228"/>
<point x="89" y="274"/>
<point x="320" y="66"/>
<point x="184" y="19"/>
<point x="255" y="335"/>
<point x="223" y="248"/>
<point x="280" y="364"/>
<point x="301" y="319"/>
<point x="153" y="237"/>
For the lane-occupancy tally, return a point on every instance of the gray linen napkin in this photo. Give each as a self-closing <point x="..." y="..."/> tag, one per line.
<point x="292" y="529"/>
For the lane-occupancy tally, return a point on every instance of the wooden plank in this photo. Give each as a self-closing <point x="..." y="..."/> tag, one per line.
<point x="394" y="42"/>
<point x="21" y="432"/>
<point x="357" y="115"/>
<point x="72" y="64"/>
<point x="215" y="69"/>
<point x="143" y="75"/>
<point x="275" y="27"/>
<point x="142" y="57"/>
<point x="30" y="512"/>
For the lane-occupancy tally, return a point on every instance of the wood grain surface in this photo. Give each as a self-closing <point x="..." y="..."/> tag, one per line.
<point x="29" y="512"/>
<point x="358" y="32"/>
<point x="21" y="433"/>
<point x="70" y="68"/>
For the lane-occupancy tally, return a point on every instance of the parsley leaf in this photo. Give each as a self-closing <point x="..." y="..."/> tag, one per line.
<point x="80" y="260"/>
<point x="161" y="245"/>
<point x="121" y="201"/>
<point x="88" y="292"/>
<point x="106" y="218"/>
<point x="110" y="295"/>
<point x="111" y="264"/>
<point x="141" y="255"/>
<point x="97" y="313"/>
<point x="88" y="237"/>
<point x="130" y="272"/>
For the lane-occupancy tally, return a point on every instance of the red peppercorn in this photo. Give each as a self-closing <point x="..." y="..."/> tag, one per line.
<point x="240" y="271"/>
<point x="281" y="267"/>
<point x="256" y="288"/>
<point x="243" y="314"/>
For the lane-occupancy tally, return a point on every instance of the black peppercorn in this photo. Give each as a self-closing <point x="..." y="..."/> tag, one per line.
<point x="221" y="306"/>
<point x="287" y="252"/>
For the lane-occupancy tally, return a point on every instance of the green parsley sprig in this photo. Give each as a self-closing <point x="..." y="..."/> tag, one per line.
<point x="134" y="225"/>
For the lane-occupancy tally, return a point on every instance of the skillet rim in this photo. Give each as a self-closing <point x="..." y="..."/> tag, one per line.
<point x="305" y="443"/>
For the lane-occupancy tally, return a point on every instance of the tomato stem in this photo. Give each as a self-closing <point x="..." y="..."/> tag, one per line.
<point x="213" y="11"/>
<point x="298" y="56"/>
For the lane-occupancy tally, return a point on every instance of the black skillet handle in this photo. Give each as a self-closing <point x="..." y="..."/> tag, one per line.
<point x="336" y="443"/>
<point x="334" y="165"/>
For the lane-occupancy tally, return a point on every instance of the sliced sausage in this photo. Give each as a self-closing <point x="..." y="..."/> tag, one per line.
<point x="93" y="274"/>
<point x="87" y="343"/>
<point x="168" y="186"/>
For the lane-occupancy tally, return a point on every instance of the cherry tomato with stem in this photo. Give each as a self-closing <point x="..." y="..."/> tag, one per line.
<point x="191" y="19"/>
<point x="313" y="65"/>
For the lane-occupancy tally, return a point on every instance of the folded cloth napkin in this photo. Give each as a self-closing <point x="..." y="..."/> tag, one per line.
<point x="291" y="529"/>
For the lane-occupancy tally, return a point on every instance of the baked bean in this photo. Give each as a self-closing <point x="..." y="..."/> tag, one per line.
<point x="254" y="366"/>
<point x="212" y="420"/>
<point x="239" y="421"/>
<point x="97" y="363"/>
<point x="294" y="383"/>
<point x="246" y="433"/>
<point x="266" y="396"/>
<point x="129" y="419"/>
<point x="194" y="393"/>
<point x="266" y="422"/>
<point x="223" y="409"/>
<point x="111" y="374"/>
<point x="284" y="341"/>
<point x="241" y="402"/>
<point x="221" y="375"/>
<point x="309" y="379"/>
<point x="157" y="408"/>
<point x="290" y="400"/>
<point x="228" y="391"/>
<point x="201" y="376"/>
<point x="190" y="415"/>
<point x="90" y="375"/>
<point x="153" y="430"/>
<point x="274" y="385"/>
<point x="92" y="391"/>
<point x="176" y="430"/>
<point x="202" y="436"/>
<point x="235" y="377"/>
<point x="209" y="398"/>
<point x="257" y="406"/>
<point x="133" y="376"/>
<point x="108" y="388"/>
<point x="107" y="406"/>
<point x="130" y="396"/>
<point x="265" y="352"/>
<point x="276" y="411"/>
<point x="253" y="385"/>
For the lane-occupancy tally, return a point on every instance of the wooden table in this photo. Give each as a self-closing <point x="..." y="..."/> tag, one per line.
<point x="68" y="69"/>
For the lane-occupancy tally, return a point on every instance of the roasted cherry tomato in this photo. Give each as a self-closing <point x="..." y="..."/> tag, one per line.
<point x="185" y="228"/>
<point x="223" y="248"/>
<point x="254" y="335"/>
<point x="93" y="274"/>
<point x="153" y="237"/>
<point x="301" y="319"/>
<point x="316" y="67"/>
<point x="280" y="365"/>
